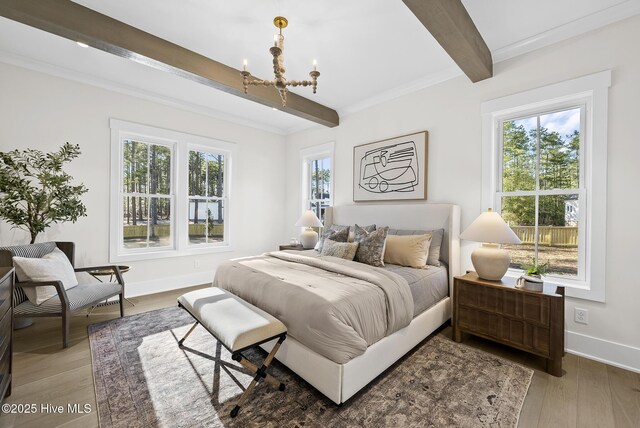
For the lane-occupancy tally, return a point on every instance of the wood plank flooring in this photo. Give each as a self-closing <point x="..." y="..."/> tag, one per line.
<point x="590" y="394"/>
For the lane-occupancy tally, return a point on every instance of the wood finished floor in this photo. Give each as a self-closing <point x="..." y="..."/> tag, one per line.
<point x="590" y="394"/>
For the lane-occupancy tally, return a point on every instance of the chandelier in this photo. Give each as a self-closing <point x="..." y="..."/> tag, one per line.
<point x="280" y="82"/>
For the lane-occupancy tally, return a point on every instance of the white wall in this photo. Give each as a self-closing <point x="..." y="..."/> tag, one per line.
<point x="40" y="111"/>
<point x="450" y="111"/>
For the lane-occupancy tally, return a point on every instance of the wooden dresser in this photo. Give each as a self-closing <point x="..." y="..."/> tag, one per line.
<point x="6" y="330"/>
<point x="496" y="310"/>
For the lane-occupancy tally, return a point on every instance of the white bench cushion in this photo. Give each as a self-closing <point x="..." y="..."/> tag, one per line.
<point x="234" y="322"/>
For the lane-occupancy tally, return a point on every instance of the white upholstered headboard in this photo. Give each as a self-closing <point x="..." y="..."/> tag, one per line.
<point x="416" y="216"/>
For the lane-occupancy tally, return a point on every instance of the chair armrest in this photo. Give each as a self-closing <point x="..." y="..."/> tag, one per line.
<point x="115" y="269"/>
<point x="64" y="300"/>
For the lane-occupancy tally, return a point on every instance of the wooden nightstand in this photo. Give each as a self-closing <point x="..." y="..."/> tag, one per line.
<point x="291" y="247"/>
<point x="496" y="310"/>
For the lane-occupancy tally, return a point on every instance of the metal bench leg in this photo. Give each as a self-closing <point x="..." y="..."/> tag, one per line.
<point x="260" y="373"/>
<point x="188" y="333"/>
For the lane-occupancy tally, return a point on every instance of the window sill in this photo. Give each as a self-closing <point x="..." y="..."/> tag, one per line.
<point x="154" y="255"/>
<point x="573" y="288"/>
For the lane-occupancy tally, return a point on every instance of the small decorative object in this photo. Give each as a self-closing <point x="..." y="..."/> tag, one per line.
<point x="530" y="283"/>
<point x="309" y="237"/>
<point x="394" y="169"/>
<point x="293" y="241"/>
<point x="490" y="261"/>
<point x="35" y="191"/>
<point x="280" y="82"/>
<point x="536" y="270"/>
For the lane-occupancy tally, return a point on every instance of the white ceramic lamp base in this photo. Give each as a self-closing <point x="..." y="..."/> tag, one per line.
<point x="309" y="238"/>
<point x="490" y="261"/>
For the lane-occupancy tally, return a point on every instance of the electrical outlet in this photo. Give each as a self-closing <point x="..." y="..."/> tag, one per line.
<point x="581" y="316"/>
<point x="196" y="263"/>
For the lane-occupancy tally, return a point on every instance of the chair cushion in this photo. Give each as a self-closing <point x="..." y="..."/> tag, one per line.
<point x="54" y="266"/>
<point x="234" y="322"/>
<point x="80" y="296"/>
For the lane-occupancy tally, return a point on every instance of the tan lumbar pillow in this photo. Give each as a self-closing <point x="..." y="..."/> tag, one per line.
<point x="407" y="250"/>
<point x="344" y="250"/>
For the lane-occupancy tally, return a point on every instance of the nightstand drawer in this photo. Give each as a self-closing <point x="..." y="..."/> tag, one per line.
<point x="479" y="297"/>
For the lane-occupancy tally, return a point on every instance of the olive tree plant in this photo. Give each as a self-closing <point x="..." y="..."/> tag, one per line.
<point x="35" y="191"/>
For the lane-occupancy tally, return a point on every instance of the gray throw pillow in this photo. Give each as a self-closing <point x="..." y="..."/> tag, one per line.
<point x="370" y="245"/>
<point x="344" y="250"/>
<point x="328" y="231"/>
<point x="436" y="242"/>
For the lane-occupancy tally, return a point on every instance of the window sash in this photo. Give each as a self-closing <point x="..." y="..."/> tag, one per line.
<point x="224" y="198"/>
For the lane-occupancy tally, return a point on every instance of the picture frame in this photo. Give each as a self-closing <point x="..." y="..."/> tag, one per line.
<point x="394" y="169"/>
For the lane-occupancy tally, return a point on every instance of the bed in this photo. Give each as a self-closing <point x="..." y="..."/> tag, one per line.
<point x="340" y="374"/>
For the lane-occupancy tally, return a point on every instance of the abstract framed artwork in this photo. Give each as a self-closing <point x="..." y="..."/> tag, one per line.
<point x="393" y="169"/>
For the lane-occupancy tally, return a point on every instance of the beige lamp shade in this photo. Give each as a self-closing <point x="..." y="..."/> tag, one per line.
<point x="308" y="219"/>
<point x="490" y="261"/>
<point x="491" y="228"/>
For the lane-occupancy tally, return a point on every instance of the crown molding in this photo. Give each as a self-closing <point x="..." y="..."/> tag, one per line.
<point x="424" y="82"/>
<point x="571" y="29"/>
<point x="68" y="74"/>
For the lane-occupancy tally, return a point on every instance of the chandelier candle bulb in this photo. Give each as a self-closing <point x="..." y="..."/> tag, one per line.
<point x="244" y="65"/>
<point x="315" y="65"/>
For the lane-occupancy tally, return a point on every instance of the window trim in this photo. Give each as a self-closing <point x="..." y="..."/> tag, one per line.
<point x="181" y="143"/>
<point x="593" y="91"/>
<point x="306" y="155"/>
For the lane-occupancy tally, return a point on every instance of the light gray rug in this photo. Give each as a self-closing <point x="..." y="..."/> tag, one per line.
<point x="143" y="379"/>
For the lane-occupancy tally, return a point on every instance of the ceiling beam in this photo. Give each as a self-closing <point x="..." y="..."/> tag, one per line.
<point x="78" y="23"/>
<point x="450" y="24"/>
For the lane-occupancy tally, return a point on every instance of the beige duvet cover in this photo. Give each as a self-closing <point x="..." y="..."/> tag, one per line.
<point x="333" y="306"/>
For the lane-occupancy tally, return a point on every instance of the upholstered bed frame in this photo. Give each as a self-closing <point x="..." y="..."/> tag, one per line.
<point x="339" y="382"/>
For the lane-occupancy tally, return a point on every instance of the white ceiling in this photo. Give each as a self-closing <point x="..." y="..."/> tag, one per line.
<point x="367" y="51"/>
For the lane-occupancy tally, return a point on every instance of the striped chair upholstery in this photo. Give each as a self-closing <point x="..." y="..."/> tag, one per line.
<point x="30" y="251"/>
<point x="79" y="296"/>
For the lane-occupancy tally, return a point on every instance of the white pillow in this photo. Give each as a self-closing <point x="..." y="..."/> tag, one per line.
<point x="54" y="266"/>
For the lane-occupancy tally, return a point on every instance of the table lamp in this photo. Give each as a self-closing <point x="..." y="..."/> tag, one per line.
<point x="490" y="261"/>
<point x="309" y="237"/>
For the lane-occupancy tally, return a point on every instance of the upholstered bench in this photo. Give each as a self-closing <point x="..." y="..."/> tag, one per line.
<point x="239" y="326"/>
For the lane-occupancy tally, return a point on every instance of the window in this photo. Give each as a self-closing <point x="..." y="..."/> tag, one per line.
<point x="541" y="189"/>
<point x="317" y="179"/>
<point x="206" y="197"/>
<point x="170" y="193"/>
<point x="544" y="169"/>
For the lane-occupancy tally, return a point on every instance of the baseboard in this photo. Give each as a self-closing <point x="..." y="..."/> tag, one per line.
<point x="142" y="288"/>
<point x="612" y="353"/>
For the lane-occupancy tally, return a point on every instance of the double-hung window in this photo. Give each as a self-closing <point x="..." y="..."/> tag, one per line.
<point x="317" y="179"/>
<point x="170" y="193"/>
<point x="544" y="169"/>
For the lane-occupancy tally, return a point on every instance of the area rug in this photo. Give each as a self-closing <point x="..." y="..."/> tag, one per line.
<point x="143" y="379"/>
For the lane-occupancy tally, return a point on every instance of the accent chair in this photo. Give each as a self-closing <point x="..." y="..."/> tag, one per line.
<point x="88" y="293"/>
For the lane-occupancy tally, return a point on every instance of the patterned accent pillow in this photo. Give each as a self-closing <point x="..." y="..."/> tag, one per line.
<point x="370" y="245"/>
<point x="344" y="250"/>
<point x="329" y="231"/>
<point x="352" y="235"/>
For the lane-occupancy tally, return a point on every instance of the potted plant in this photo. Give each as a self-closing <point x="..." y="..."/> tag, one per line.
<point x="36" y="192"/>
<point x="535" y="269"/>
